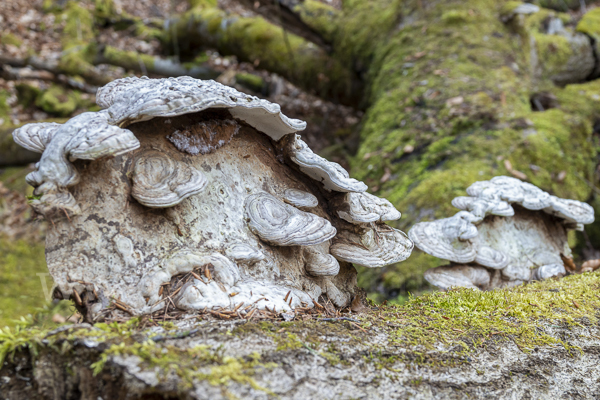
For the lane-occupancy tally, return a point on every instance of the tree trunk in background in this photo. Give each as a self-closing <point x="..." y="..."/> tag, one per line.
<point x="450" y="103"/>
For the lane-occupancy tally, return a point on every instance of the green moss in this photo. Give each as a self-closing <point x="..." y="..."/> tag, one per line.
<point x="560" y="142"/>
<point x="9" y="38"/>
<point x="508" y="7"/>
<point x="13" y="178"/>
<point x="363" y="24"/>
<point x="554" y="51"/>
<point x="52" y="6"/>
<point x="251" y="81"/>
<point x="27" y="93"/>
<point x="79" y="26"/>
<point x="79" y="48"/>
<point x="459" y="321"/>
<point x="105" y="9"/>
<point x="58" y="101"/>
<point x="128" y="59"/>
<point x="590" y="23"/>
<point x="560" y="5"/>
<point x="24" y="279"/>
<point x="522" y="315"/>
<point x="451" y="93"/>
<point x="146" y="32"/>
<point x="197" y="363"/>
<point x="202" y="3"/>
<point x="267" y="45"/>
<point x="4" y="108"/>
<point x="320" y="16"/>
<point x="288" y="342"/>
<point x="453" y="17"/>
<point x="395" y="282"/>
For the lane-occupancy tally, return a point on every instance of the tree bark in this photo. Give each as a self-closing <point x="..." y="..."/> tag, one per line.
<point x="371" y="366"/>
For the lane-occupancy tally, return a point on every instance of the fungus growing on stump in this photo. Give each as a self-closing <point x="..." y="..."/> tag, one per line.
<point x="182" y="176"/>
<point x="508" y="232"/>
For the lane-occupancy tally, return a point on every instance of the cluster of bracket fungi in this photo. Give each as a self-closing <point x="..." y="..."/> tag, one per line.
<point x="508" y="232"/>
<point x="180" y="175"/>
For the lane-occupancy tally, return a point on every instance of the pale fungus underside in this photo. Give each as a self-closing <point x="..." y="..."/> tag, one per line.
<point x="180" y="177"/>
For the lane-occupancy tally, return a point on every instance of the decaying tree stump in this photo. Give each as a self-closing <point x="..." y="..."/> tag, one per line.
<point x="204" y="181"/>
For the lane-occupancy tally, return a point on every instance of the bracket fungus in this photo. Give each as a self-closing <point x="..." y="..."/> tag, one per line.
<point x="191" y="183"/>
<point x="508" y="232"/>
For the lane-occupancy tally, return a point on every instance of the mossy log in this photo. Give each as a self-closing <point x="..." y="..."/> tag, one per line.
<point x="267" y="46"/>
<point x="13" y="154"/>
<point x="540" y="341"/>
<point x="146" y="64"/>
<point x="450" y="104"/>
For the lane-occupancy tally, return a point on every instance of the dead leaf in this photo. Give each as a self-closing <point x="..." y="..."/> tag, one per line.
<point x="455" y="101"/>
<point x="518" y="174"/>
<point x="357" y="306"/>
<point x="568" y="262"/>
<point x="514" y="172"/>
<point x="590" y="265"/>
<point x="58" y="319"/>
<point x="386" y="176"/>
<point x="433" y="95"/>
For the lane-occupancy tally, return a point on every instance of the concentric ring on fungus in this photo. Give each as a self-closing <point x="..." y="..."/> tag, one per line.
<point x="159" y="181"/>
<point x="280" y="224"/>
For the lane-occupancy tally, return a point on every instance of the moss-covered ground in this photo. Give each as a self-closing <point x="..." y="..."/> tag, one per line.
<point x="21" y="286"/>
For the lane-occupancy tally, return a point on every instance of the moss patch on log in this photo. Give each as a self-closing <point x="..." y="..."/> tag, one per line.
<point x="590" y="23"/>
<point x="58" y="101"/>
<point x="437" y="330"/>
<point x="251" y="81"/>
<point x="267" y="46"/>
<point x="4" y="108"/>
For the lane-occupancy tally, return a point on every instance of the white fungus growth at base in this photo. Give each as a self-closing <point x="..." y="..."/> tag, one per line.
<point x="509" y="232"/>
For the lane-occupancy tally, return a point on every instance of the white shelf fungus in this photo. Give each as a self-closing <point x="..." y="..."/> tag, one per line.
<point x="509" y="232"/>
<point x="188" y="193"/>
